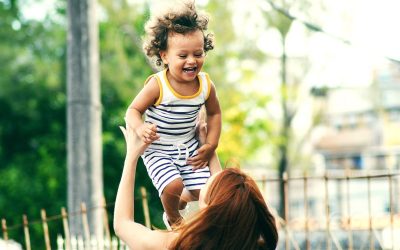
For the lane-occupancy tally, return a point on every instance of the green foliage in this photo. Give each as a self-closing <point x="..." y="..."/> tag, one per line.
<point x="123" y="72"/>
<point x="32" y="130"/>
<point x="33" y="115"/>
<point x="33" y="104"/>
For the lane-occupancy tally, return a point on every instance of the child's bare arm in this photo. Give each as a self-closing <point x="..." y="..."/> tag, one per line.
<point x="213" y="119"/>
<point x="206" y="151"/>
<point x="146" y="97"/>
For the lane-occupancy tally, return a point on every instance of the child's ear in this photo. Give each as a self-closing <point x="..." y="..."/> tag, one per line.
<point x="163" y="55"/>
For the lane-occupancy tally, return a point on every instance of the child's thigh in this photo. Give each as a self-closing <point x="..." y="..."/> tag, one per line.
<point x="195" y="180"/>
<point x="195" y="194"/>
<point x="174" y="187"/>
<point x="161" y="170"/>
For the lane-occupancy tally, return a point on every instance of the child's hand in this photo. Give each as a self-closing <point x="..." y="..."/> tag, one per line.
<point x="204" y="154"/>
<point x="147" y="132"/>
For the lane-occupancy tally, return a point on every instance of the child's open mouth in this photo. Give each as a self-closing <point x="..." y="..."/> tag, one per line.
<point x="190" y="70"/>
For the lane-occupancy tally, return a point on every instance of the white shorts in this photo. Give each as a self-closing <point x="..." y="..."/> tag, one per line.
<point x="163" y="168"/>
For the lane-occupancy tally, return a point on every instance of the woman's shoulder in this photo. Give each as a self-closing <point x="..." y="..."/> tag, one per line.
<point x="159" y="239"/>
<point x="150" y="240"/>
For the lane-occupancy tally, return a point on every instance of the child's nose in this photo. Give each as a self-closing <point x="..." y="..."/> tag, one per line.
<point x="191" y="59"/>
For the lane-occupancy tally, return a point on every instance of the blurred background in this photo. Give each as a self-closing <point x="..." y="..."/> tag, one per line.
<point x="305" y="86"/>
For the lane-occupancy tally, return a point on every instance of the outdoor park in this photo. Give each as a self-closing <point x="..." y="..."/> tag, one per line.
<point x="309" y="93"/>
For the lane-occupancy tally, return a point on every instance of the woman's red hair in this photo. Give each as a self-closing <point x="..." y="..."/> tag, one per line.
<point x="236" y="217"/>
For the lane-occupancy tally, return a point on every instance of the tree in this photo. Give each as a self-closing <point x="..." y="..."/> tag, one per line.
<point x="32" y="120"/>
<point x="120" y="49"/>
<point x="243" y="132"/>
<point x="288" y="149"/>
<point x="283" y="24"/>
<point x="85" y="182"/>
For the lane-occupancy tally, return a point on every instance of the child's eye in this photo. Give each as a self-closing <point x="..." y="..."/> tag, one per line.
<point x="198" y="55"/>
<point x="182" y="56"/>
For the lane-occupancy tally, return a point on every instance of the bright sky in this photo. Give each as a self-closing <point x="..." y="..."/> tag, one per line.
<point x="371" y="26"/>
<point x="37" y="9"/>
<point x="374" y="24"/>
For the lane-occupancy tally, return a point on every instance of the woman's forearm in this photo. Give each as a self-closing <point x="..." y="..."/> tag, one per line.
<point x="124" y="203"/>
<point x="214" y="164"/>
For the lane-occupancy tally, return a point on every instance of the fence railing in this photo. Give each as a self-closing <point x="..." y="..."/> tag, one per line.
<point x="341" y="229"/>
<point x="72" y="242"/>
<point x="311" y="230"/>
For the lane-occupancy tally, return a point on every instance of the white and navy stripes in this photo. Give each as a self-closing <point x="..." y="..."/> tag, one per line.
<point x="175" y="117"/>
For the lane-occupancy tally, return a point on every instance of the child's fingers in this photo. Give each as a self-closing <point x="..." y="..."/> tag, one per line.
<point x="155" y="137"/>
<point x="193" y="159"/>
<point x="153" y="127"/>
<point x="151" y="135"/>
<point x="199" y="165"/>
<point x="151" y="132"/>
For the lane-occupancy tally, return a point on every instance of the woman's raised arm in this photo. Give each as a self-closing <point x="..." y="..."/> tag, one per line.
<point x="135" y="235"/>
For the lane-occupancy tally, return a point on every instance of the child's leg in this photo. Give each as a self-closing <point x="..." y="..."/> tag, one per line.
<point x="195" y="194"/>
<point x="170" y="200"/>
<point x="188" y="196"/>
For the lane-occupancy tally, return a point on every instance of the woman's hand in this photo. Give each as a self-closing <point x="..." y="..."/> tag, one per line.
<point x="134" y="145"/>
<point x="147" y="132"/>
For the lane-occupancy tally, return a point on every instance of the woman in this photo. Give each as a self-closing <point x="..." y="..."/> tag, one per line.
<point x="233" y="213"/>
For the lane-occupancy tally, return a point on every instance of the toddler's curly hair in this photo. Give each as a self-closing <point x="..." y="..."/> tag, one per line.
<point x="178" y="20"/>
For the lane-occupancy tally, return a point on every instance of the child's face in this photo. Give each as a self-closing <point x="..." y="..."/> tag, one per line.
<point x="184" y="55"/>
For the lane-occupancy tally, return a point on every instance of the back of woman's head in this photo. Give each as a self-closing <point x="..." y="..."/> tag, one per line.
<point x="236" y="217"/>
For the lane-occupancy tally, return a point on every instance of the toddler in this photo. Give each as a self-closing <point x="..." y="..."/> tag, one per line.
<point x="171" y="100"/>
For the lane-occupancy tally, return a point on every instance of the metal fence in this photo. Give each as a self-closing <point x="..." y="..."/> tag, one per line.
<point x="338" y="210"/>
<point x="64" y="239"/>
<point x="328" y="211"/>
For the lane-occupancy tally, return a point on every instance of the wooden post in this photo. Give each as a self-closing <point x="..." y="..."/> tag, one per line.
<point x="263" y="186"/>
<point x="286" y="209"/>
<point x="74" y="242"/>
<point x="26" y="232"/>
<point x="60" y="242"/>
<point x="327" y="213"/>
<point x="67" y="235"/>
<point x="371" y="236"/>
<point x="81" y="243"/>
<point x="307" y="229"/>
<point x="391" y="204"/>
<point x="4" y="229"/>
<point x="145" y="205"/>
<point x="349" y="230"/>
<point x="114" y="243"/>
<point x="105" y="222"/>
<point x="122" y="245"/>
<point x="45" y="230"/>
<point x="85" y="225"/>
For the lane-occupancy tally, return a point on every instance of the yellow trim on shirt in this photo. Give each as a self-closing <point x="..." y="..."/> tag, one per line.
<point x="159" y="85"/>
<point x="179" y="95"/>
<point x="209" y="85"/>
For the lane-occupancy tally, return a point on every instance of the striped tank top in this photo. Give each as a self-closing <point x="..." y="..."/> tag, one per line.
<point x="176" y="116"/>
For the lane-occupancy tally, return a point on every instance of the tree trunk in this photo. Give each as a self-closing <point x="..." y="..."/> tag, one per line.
<point x="283" y="147"/>
<point x="84" y="144"/>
